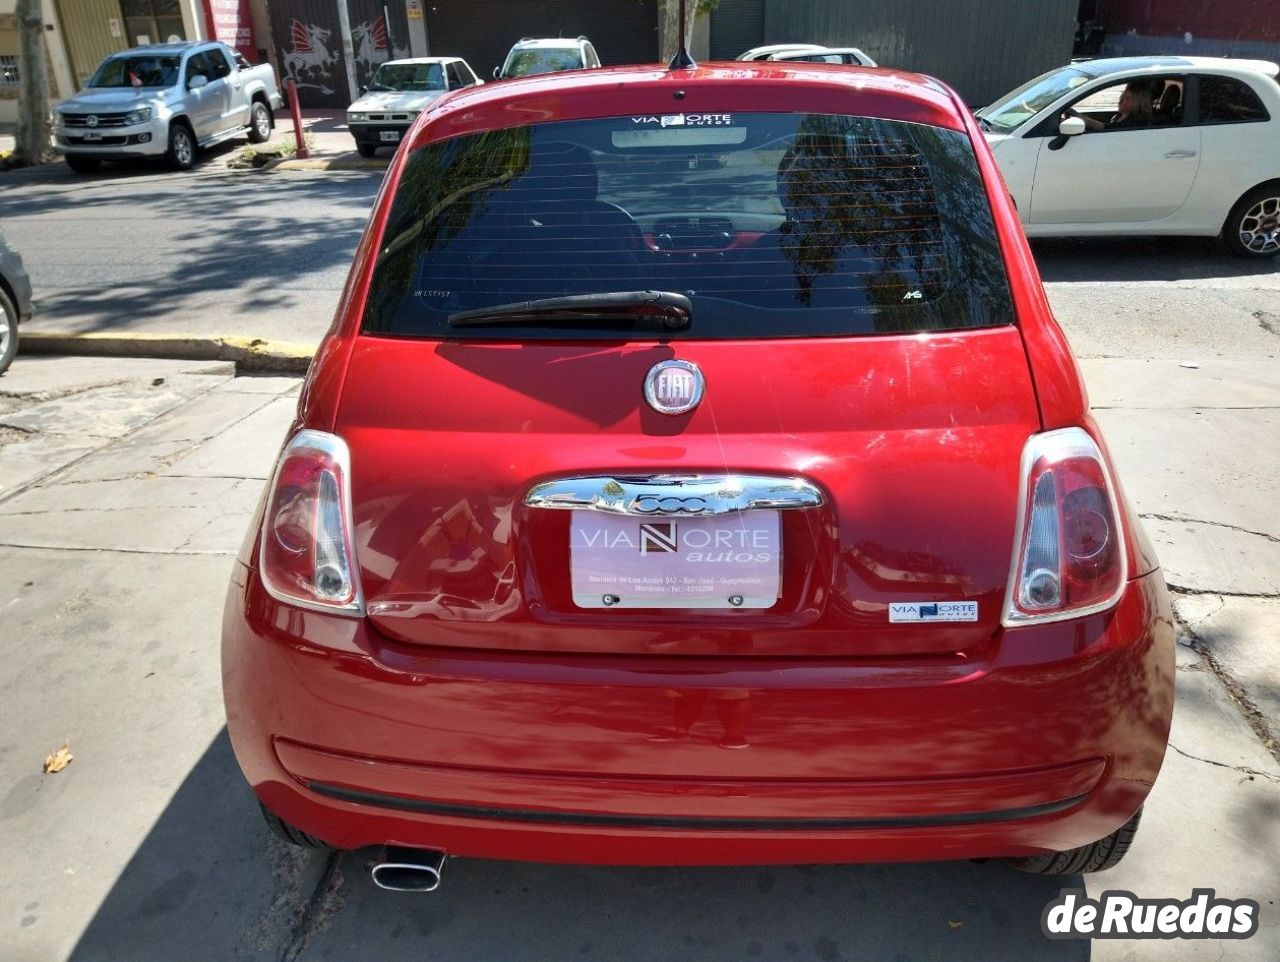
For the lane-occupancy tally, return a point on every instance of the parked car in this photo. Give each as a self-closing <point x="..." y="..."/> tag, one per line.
<point x="849" y="56"/>
<point x="15" y="301"/>
<point x="767" y="51"/>
<point x="532" y="56"/>
<point x="646" y="511"/>
<point x="1199" y="154"/>
<point x="398" y="91"/>
<point x="165" y="100"/>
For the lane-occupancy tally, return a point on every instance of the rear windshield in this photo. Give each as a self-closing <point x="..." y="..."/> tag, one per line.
<point x="772" y="225"/>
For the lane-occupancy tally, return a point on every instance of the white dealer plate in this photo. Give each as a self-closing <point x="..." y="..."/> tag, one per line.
<point x="390" y="136"/>
<point x="727" y="561"/>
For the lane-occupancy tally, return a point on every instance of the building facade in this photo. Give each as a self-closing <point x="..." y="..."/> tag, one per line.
<point x="1224" y="28"/>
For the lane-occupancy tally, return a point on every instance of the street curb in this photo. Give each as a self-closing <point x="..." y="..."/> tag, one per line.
<point x="321" y="164"/>
<point x="250" y="354"/>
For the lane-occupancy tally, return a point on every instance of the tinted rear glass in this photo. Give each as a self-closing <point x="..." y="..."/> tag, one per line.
<point x="773" y="225"/>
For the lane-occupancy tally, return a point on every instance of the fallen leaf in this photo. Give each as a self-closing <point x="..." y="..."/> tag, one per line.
<point x="1269" y="743"/>
<point x="59" y="759"/>
<point x="954" y="924"/>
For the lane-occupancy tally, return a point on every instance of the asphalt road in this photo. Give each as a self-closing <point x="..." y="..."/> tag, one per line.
<point x="125" y="488"/>
<point x="266" y="254"/>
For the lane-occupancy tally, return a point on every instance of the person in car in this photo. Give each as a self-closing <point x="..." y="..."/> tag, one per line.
<point x="1135" y="110"/>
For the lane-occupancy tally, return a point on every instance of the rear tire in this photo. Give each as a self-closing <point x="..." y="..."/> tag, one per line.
<point x="367" y="150"/>
<point x="287" y="832"/>
<point x="1253" y="227"/>
<point x="260" y="123"/>
<point x="181" y="154"/>
<point x="83" y="165"/>
<point x="1096" y="857"/>
<point x="8" y="330"/>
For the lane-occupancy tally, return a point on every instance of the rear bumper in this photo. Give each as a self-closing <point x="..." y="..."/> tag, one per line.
<point x="1050" y="739"/>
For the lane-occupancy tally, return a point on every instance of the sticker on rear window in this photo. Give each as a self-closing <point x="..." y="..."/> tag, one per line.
<point x="908" y="611"/>
<point x="685" y="120"/>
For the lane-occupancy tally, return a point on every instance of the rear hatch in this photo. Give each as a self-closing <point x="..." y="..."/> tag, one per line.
<point x="851" y="330"/>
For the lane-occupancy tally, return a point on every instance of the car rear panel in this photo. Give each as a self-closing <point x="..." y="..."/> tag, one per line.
<point x="915" y="441"/>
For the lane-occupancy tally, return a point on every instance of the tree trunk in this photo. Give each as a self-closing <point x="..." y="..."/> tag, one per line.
<point x="669" y="23"/>
<point x="32" y="141"/>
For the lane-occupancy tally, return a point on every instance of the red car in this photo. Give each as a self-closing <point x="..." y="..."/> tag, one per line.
<point x="694" y="473"/>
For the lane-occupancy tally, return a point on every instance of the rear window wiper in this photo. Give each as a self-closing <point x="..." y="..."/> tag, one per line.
<point x="660" y="309"/>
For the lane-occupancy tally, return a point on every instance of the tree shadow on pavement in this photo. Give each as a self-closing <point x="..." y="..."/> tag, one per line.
<point x="1120" y="259"/>
<point x="210" y="882"/>
<point x="189" y="253"/>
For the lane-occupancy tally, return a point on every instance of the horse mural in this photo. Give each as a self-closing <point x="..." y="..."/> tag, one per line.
<point x="309" y="61"/>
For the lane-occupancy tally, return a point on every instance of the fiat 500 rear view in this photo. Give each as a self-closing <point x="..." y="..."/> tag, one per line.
<point x="695" y="474"/>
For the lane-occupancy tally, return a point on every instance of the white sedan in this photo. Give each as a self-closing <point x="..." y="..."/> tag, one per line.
<point x="1145" y="145"/>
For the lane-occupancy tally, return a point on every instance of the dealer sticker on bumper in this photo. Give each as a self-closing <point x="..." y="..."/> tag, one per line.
<point x="933" y="611"/>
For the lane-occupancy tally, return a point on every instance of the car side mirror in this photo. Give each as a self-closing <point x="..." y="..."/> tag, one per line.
<point x="198" y="81"/>
<point x="497" y="73"/>
<point x="1068" y="127"/>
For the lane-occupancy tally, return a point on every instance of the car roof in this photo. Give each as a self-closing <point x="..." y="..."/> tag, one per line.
<point x="412" y="60"/>
<point x="1110" y="65"/>
<point x="773" y="48"/>
<point x="724" y="87"/>
<point x="166" y="48"/>
<point x="550" y="42"/>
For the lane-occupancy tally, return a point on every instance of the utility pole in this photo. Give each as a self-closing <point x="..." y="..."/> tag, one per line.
<point x="32" y="142"/>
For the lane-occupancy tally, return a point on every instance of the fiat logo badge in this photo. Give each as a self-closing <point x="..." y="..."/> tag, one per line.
<point x="674" y="387"/>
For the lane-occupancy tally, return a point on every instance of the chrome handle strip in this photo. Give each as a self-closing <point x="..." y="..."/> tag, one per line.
<point x="675" y="495"/>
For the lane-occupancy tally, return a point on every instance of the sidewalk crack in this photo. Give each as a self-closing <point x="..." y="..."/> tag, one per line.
<point x="1243" y="769"/>
<point x="1214" y="524"/>
<point x="1253" y="717"/>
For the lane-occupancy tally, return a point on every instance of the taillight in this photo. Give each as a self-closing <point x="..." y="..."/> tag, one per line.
<point x="1069" y="556"/>
<point x="307" y="556"/>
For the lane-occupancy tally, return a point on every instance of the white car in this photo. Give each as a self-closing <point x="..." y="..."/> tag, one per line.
<point x="849" y="56"/>
<point x="398" y="91"/>
<point x="1145" y="145"/>
<point x="533" y="56"/>
<point x="764" y="53"/>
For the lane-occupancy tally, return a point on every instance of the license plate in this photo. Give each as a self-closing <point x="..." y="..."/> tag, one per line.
<point x="92" y="135"/>
<point x="390" y="136"/>
<point x="730" y="561"/>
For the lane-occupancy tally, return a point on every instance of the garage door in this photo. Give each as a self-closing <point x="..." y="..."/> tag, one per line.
<point x="622" y="31"/>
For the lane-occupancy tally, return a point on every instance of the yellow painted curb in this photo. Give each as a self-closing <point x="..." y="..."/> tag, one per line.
<point x="322" y="164"/>
<point x="254" y="354"/>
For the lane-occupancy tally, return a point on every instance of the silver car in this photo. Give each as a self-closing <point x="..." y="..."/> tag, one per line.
<point x="15" y="301"/>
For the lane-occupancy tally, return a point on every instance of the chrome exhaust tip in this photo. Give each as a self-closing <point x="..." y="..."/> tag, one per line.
<point x="409" y="869"/>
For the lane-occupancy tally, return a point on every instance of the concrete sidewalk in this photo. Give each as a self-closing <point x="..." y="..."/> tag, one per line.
<point x="329" y="143"/>
<point x="125" y="489"/>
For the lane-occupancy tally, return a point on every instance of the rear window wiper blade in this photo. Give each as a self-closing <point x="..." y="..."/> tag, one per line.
<point x="661" y="309"/>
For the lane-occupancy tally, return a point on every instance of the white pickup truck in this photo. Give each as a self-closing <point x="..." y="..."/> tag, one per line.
<point x="165" y="99"/>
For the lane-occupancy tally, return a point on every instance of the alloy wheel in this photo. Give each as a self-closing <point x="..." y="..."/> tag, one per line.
<point x="182" y="148"/>
<point x="262" y="122"/>
<point x="1260" y="227"/>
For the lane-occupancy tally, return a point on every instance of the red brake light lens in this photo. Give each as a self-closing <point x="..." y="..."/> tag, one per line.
<point x="1069" y="555"/>
<point x="307" y="555"/>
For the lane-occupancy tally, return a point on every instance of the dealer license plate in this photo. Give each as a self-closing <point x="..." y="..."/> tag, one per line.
<point x="389" y="136"/>
<point x="727" y="561"/>
<point x="92" y="135"/>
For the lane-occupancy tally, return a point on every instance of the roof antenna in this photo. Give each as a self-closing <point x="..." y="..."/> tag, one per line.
<point x="682" y="60"/>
